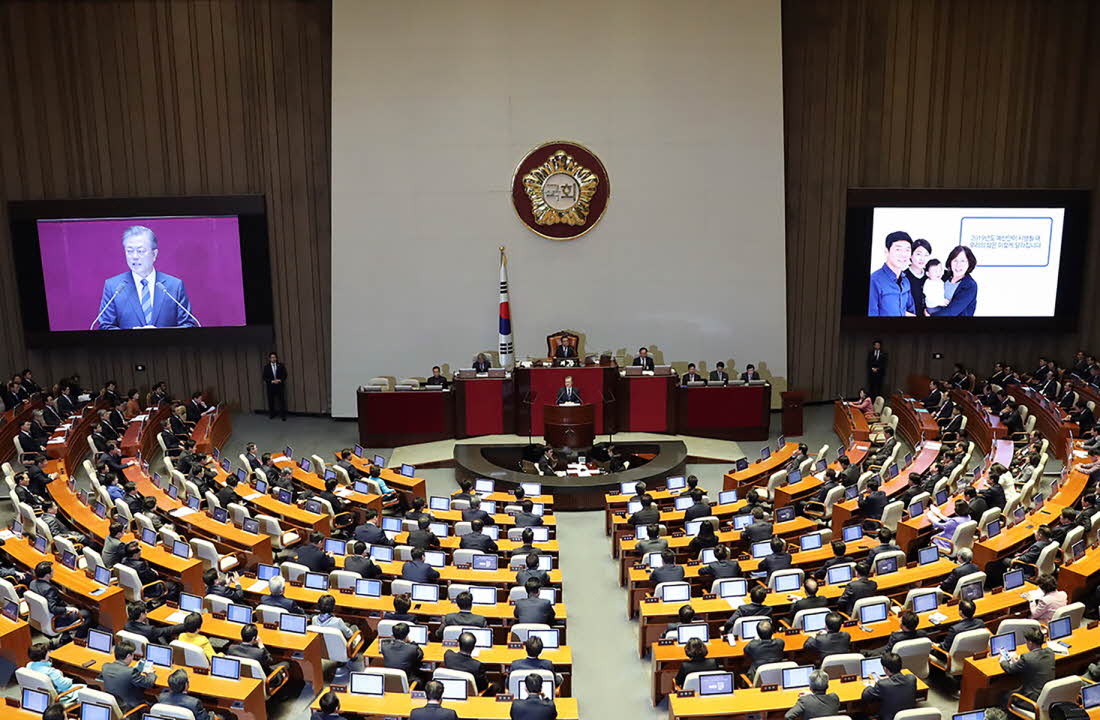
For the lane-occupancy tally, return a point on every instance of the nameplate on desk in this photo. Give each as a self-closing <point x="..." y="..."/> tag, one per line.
<point x="463" y="566"/>
<point x="296" y="583"/>
<point x="710" y="596"/>
<point x="450" y="643"/>
<point x="505" y="697"/>
<point x="770" y="687"/>
<point x="338" y="688"/>
<point x="685" y="693"/>
<point x="420" y="695"/>
<point x="692" y="563"/>
<point x="678" y="534"/>
<point x="627" y="537"/>
<point x="850" y="623"/>
<point x="80" y="642"/>
<point x="744" y="557"/>
<point x="639" y="566"/>
<point x="847" y="678"/>
<point x="218" y="615"/>
<point x="792" y="631"/>
<point x="11" y="702"/>
<point x="666" y="641"/>
<point x="1093" y="625"/>
<point x="200" y="670"/>
<point x="515" y="645"/>
<point x="347" y="591"/>
<point x="651" y="600"/>
<point x="271" y="626"/>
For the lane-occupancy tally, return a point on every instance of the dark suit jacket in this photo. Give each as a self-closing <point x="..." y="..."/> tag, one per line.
<point x="372" y="535"/>
<point x="38" y="480"/>
<point x="184" y="700"/>
<point x="568" y="395"/>
<point x="401" y="655"/>
<point x="872" y="505"/>
<point x="964" y="625"/>
<point x="745" y="377"/>
<point x="760" y="652"/>
<point x="315" y="559"/>
<point x="809" y="603"/>
<point x="422" y="539"/>
<point x="478" y="541"/>
<point x="530" y="663"/>
<point x="893" y="694"/>
<point x="901" y="636"/>
<point x="195" y="411"/>
<point x="813" y="705"/>
<point x="720" y="569"/>
<point x="456" y="660"/>
<point x="1036" y="667"/>
<point x="693" y="666"/>
<point x="716" y="376"/>
<point x="698" y="510"/>
<point x="856" y="590"/>
<point x="433" y="711"/>
<point x="524" y="574"/>
<point x="533" y="707"/>
<point x="646" y="362"/>
<point x="482" y="367"/>
<point x="829" y="643"/>
<point x="952" y="580"/>
<point x="470" y="514"/>
<point x="690" y="377"/>
<point x="161" y="635"/>
<point x="565" y="351"/>
<point x="534" y="610"/>
<point x="283" y="602"/>
<point x="757" y="532"/>
<point x="252" y="652"/>
<point x="879" y="364"/>
<point x="528" y="520"/>
<point x="125" y="310"/>
<point x="667" y="573"/>
<point x="419" y="571"/>
<point x="775" y="561"/>
<point x="362" y="565"/>
<point x="30" y="443"/>
<point x="646" y="516"/>
<point x="126" y="684"/>
<point x="279" y="374"/>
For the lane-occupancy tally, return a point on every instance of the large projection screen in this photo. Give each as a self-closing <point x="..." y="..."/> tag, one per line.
<point x="434" y="104"/>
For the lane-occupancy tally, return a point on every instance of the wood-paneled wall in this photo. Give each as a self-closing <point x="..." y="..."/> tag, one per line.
<point x="928" y="93"/>
<point x="177" y="97"/>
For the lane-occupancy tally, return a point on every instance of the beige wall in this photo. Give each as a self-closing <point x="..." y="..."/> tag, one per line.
<point x="434" y="104"/>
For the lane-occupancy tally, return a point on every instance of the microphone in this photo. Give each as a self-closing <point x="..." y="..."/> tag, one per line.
<point x="106" y="305"/>
<point x="160" y="284"/>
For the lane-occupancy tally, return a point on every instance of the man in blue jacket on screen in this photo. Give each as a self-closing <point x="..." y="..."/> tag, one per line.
<point x="142" y="297"/>
<point x="889" y="294"/>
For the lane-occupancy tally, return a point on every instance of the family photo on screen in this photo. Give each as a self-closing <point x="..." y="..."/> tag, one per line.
<point x="913" y="282"/>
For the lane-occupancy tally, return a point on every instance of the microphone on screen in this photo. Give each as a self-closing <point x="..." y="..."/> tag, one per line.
<point x="160" y="284"/>
<point x="106" y="305"/>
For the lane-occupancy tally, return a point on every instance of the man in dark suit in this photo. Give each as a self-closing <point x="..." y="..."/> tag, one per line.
<point x="547" y="463"/>
<point x="477" y="540"/>
<point x="252" y="457"/>
<point x="433" y="709"/>
<point x="876" y="369"/>
<point x="832" y="640"/>
<point x="849" y="472"/>
<point x="437" y="378"/>
<point x="565" y="349"/>
<point x="757" y="597"/>
<point x="526" y="517"/>
<point x="227" y="493"/>
<point x="909" y="621"/>
<point x="873" y="501"/>
<point x="966" y="623"/>
<point x="691" y="375"/>
<point x="113" y="547"/>
<point x="400" y="654"/>
<point x="311" y="554"/>
<point x="966" y="566"/>
<point x="934" y="397"/>
<point x="11" y="396"/>
<point x="1030" y="556"/>
<point x="750" y="373"/>
<point x="893" y="693"/>
<point x="819" y="702"/>
<point x="857" y="589"/>
<point x="530" y="570"/>
<point x="66" y="403"/>
<point x="137" y="622"/>
<point x="535" y="706"/>
<point x="465" y="602"/>
<point x="719" y="373"/>
<point x="38" y="478"/>
<point x="699" y="507"/>
<point x="759" y="530"/>
<point x="722" y="567"/>
<point x="464" y="661"/>
<point x="178" y="684"/>
<point x="361" y="561"/>
<point x="370" y="533"/>
<point x="143" y="297"/>
<point x="887" y="448"/>
<point x="668" y="571"/>
<point x="533" y="609"/>
<point x="122" y="679"/>
<point x="643" y="360"/>
<point x="812" y="601"/>
<point x="764" y="648"/>
<point x="482" y="364"/>
<point x="196" y="407"/>
<point x="28" y="441"/>
<point x="417" y="570"/>
<point x="885" y="536"/>
<point x="568" y="393"/>
<point x="275" y="588"/>
<point x="977" y="504"/>
<point x="533" y="646"/>
<point x="474" y="512"/>
<point x="780" y="559"/>
<point x="29" y="385"/>
<point x="649" y="513"/>
<point x="251" y="648"/>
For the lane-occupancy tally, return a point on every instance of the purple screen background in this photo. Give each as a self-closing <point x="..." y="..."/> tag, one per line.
<point x="79" y="255"/>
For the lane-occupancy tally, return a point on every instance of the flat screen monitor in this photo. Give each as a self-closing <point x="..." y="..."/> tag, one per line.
<point x="740" y="522"/>
<point x="761" y="549"/>
<point x="484" y="486"/>
<point x="676" y="482"/>
<point x="971" y="591"/>
<point x="330" y="474"/>
<point x="392" y="524"/>
<point x="381" y="553"/>
<point x="379" y="461"/>
<point x="219" y="515"/>
<point x="305" y="464"/>
<point x="820" y="466"/>
<point x="94" y="711"/>
<point x="851" y="533"/>
<point x="720" y="683"/>
<point x="100" y="641"/>
<point x="1090" y="696"/>
<point x="797" y="677"/>
<point x="684" y="502"/>
<point x="435" y="502"/>
<point x="483" y="637"/>
<point x="493" y="531"/>
<point x="993" y="529"/>
<point x="839" y="574"/>
<point x="418" y="634"/>
<point x="422" y="592"/>
<point x="34" y="701"/>
<point x="194" y="503"/>
<point x="810" y="542"/>
<point x="928" y="555"/>
<point x="676" y="592"/>
<point x="692" y="630"/>
<point x="489" y="506"/>
<point x="190" y="603"/>
<point x="541" y="533"/>
<point x="336" y="547"/>
<point x="181" y="549"/>
<point x="742" y="464"/>
<point x="707" y="556"/>
<point x="11" y="610"/>
<point x="439" y="529"/>
<point x="408" y="470"/>
<point x="941" y="497"/>
<point x="727" y="497"/>
<point x="453" y="689"/>
<point x="1013" y="579"/>
<point x="871" y="666"/>
<point x="1077" y="550"/>
<point x="787" y="582"/>
<point x="358" y="450"/>
<point x="173" y="492"/>
<point x="926" y="602"/>
<point x="159" y="655"/>
<point x="266" y="572"/>
<point x="485" y="562"/>
<point x="102" y="575"/>
<point x="627" y="488"/>
<point x="813" y="622"/>
<point x="1060" y="628"/>
<point x="916" y="508"/>
<point x="873" y="613"/>
<point x="1003" y="643"/>
<point x="692" y="528"/>
<point x="68" y="559"/>
<point x="633" y="506"/>
<point x="765" y="452"/>
<point x="551" y="639"/>
<point x="225" y="667"/>
<point x="315" y="507"/>
<point x="291" y="623"/>
<point x="850" y="493"/>
<point x="316" y="581"/>
<point x="285" y="496"/>
<point x="40" y="543"/>
<point x="149" y="536"/>
<point x="483" y="595"/>
<point x="733" y="587"/>
<point x="748" y="629"/>
<point x="784" y="514"/>
<point x="531" y="489"/>
<point x="368" y="588"/>
<point x="435" y="558"/>
<point x="885" y="566"/>
<point x="780" y="442"/>
<point x="241" y="614"/>
<point x="366" y="684"/>
<point x="101" y="510"/>
<point x="973" y="715"/>
<point x="794" y="476"/>
<point x="546" y="563"/>
<point x="361" y="487"/>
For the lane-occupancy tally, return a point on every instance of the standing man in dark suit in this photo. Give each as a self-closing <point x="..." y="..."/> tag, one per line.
<point x="568" y="393"/>
<point x="535" y="706"/>
<point x="274" y="376"/>
<point x="143" y="297"/>
<point x="876" y="368"/>
<point x="122" y="678"/>
<point x="750" y="373"/>
<point x="643" y="360"/>
<point x="719" y="373"/>
<point x="434" y="709"/>
<point x="895" y="692"/>
<point x="691" y="375"/>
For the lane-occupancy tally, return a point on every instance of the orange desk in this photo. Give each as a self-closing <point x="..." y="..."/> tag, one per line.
<point x="316" y="484"/>
<point x="808" y="485"/>
<point x="141" y="436"/>
<point x="1079" y="578"/>
<point x="1050" y="420"/>
<point x="758" y="472"/>
<point x="849" y="424"/>
<point x="844" y="513"/>
<point x="673" y="519"/>
<point x="915" y="423"/>
<point x="410" y="486"/>
<point x="265" y="504"/>
<point x="502" y="578"/>
<point x="478" y="708"/>
<point x="15" y="640"/>
<point x="73" y="445"/>
<point x="616" y="503"/>
<point x="212" y="430"/>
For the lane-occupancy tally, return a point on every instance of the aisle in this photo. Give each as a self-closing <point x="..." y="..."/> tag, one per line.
<point x="608" y="678"/>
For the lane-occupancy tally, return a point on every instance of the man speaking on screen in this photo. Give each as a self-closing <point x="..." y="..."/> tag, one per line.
<point x="143" y="298"/>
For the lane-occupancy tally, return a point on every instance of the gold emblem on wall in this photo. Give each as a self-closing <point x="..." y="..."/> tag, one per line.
<point x="560" y="190"/>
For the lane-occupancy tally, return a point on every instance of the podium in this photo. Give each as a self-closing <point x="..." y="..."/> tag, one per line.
<point x="570" y="426"/>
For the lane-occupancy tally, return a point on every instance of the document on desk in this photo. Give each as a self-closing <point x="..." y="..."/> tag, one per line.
<point x="278" y="458"/>
<point x="66" y="426"/>
<point x="1032" y="594"/>
<point x="56" y="441"/>
<point x="936" y="618"/>
<point x="1080" y="453"/>
<point x="140" y="418"/>
<point x="258" y="586"/>
<point x="177" y="616"/>
<point x="735" y="602"/>
<point x="181" y="512"/>
<point x="343" y="492"/>
<point x="252" y="496"/>
<point x="6" y="534"/>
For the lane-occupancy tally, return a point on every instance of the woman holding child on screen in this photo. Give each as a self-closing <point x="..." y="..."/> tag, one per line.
<point x="960" y="291"/>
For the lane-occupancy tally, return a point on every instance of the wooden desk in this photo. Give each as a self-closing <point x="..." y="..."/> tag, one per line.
<point x="74" y="441"/>
<point x="476" y="708"/>
<point x="1079" y="579"/>
<point x="1050" y="421"/>
<point x="728" y="412"/>
<point x="504" y="546"/>
<point x="758" y="472"/>
<point x="141" y="435"/>
<point x="982" y="426"/>
<point x="915" y="424"/>
<point x="212" y="430"/>
<point x="849" y="424"/>
<point x="409" y="486"/>
<point x="647" y="403"/>
<point x="809" y="485"/>
<point x="77" y="588"/>
<point x="984" y="682"/>
<point x="617" y="503"/>
<point x="484" y="406"/>
<point x="766" y="704"/>
<point x="673" y="519"/>
<point x="845" y="512"/>
<point x="244" y="697"/>
<point x="305" y="652"/>
<point x="406" y="417"/>
<point x="503" y="578"/>
<point x="11" y="422"/>
<point x="265" y="504"/>
<point x="15" y="640"/>
<point x="317" y="484"/>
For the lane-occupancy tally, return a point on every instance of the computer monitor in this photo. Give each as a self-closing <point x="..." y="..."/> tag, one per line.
<point x="379" y="461"/>
<point x="851" y="533"/>
<point x="762" y="549"/>
<point x="765" y="452"/>
<point x="797" y="677"/>
<point x="1037" y="501"/>
<point x="794" y="476"/>
<point x="971" y="591"/>
<point x="361" y="487"/>
<point x="551" y="639"/>
<point x="190" y="603"/>
<point x="241" y="614"/>
<point x="68" y="559"/>
<point x="810" y="542"/>
<point x="733" y="587"/>
<point x="225" y="464"/>
<point x="453" y="689"/>
<point x="219" y="514"/>
<point x="892" y="471"/>
<point x="381" y="553"/>
<point x="330" y="474"/>
<point x="851" y="492"/>
<point x="101" y="510"/>
<point x="973" y="715"/>
<point x="871" y="666"/>
<point x="11" y="610"/>
<point x="748" y="629"/>
<point x="1019" y="514"/>
<point x="159" y="655"/>
<point x="787" y="583"/>
<point x="99" y="640"/>
<point x="485" y="562"/>
<point x="181" y="549"/>
<point x="266" y="572"/>
<point x="289" y="622"/>
<point x="692" y="630"/>
<point x="742" y="464"/>
<point x="707" y="556"/>
<point x="531" y="489"/>
<point x="1060" y="628"/>
<point x="727" y="497"/>
<point x="418" y="634"/>
<point x="928" y="555"/>
<point x="94" y="711"/>
<point x="173" y="492"/>
<point x="435" y="502"/>
<point x="422" y="592"/>
<point x="684" y="502"/>
<point x="393" y="524"/>
<point x="40" y="543"/>
<point x="941" y="497"/>
<point x="435" y="558"/>
<point x="483" y="637"/>
<point x="1013" y="579"/>
<point x="34" y="701"/>
<point x="740" y="522"/>
<point x="225" y="667"/>
<point x="916" y="508"/>
<point x="439" y="529"/>
<point x="336" y="547"/>
<point x="780" y="442"/>
<point x="885" y="566"/>
<point x="546" y="563"/>
<point x="719" y="683"/>
<point x="676" y="482"/>
<point x="483" y="595"/>
<point x="1003" y="643"/>
<point x="285" y="496"/>
<point x="873" y="613"/>
<point x="489" y="506"/>
<point x="408" y="470"/>
<point x="366" y="684"/>
<point x="305" y="464"/>
<point x="820" y="466"/>
<point x="484" y="486"/>
<point x="314" y="506"/>
<point x="633" y="506"/>
<point x="368" y="588"/>
<point x="628" y="488"/>
<point x="102" y="575"/>
<point x="1090" y="696"/>
<point x="839" y="574"/>
<point x="149" y="536"/>
<point x="926" y="602"/>
<point x="316" y="581"/>
<point x="541" y="533"/>
<point x="676" y="592"/>
<point x="993" y="529"/>
<point x="812" y="622"/>
<point x="1077" y="550"/>
<point x="784" y="514"/>
<point x="692" y="528"/>
<point x="493" y="531"/>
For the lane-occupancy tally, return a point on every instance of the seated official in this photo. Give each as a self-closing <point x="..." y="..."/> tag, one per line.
<point x="482" y="364"/>
<point x="223" y="585"/>
<point x="326" y="616"/>
<point x="706" y="538"/>
<point x="653" y="542"/>
<point x="401" y="606"/>
<point x="422" y="537"/>
<point x="312" y="554"/>
<point x="122" y="679"/>
<point x="885" y="537"/>
<point x="862" y="587"/>
<point x="568" y="394"/>
<point x="276" y="586"/>
<point x="437" y="378"/>
<point x="330" y="708"/>
<point x="874" y="501"/>
<point x="750" y="373"/>
<point x="547" y="464"/>
<point x="893" y="693"/>
<point x="684" y="616"/>
<point x="463" y="660"/>
<point x="966" y="623"/>
<point x="1036" y="665"/>
<point x="839" y="557"/>
<point x="526" y="517"/>
<point x="966" y="566"/>
<point x="477" y="540"/>
<point x="692" y="375"/>
<point x="909" y="621"/>
<point x="465" y="601"/>
<point x="533" y="646"/>
<point x="812" y="601"/>
<point x="668" y="571"/>
<point x="779" y="559"/>
<point x="62" y="613"/>
<point x="527" y="543"/>
<point x="565" y="349"/>
<point x="719" y="373"/>
<point x="361" y="562"/>
<point x="757" y="595"/>
<point x="39" y="657"/>
<point x="417" y="570"/>
<point x="474" y="512"/>
<point x="176" y="694"/>
<point x="649" y="513"/>
<point x="192" y="624"/>
<point x="722" y="567"/>
<point x="644" y="360"/>
<point x="417" y="510"/>
<point x="1050" y="601"/>
<point x="819" y="702"/>
<point x="535" y="706"/>
<point x="697" y="661"/>
<point x="764" y="648"/>
<point x="252" y="648"/>
<point x="832" y="640"/>
<point x="699" y="507"/>
<point x="534" y="609"/>
<point x="433" y="709"/>
<point x="759" y="529"/>
<point x="137" y="622"/>
<point x="531" y="570"/>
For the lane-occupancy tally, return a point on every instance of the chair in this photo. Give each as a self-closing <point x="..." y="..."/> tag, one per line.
<point x="239" y="513"/>
<point x="465" y="556"/>
<point x="1074" y="611"/>
<point x="773" y="579"/>
<point x="294" y="572"/>
<point x="131" y="584"/>
<point x="208" y="554"/>
<point x="393" y="681"/>
<point x="872" y="600"/>
<point x="777" y="479"/>
<point x="35" y="680"/>
<point x="1045" y="564"/>
<point x="891" y="516"/>
<point x="456" y="589"/>
<point x="211" y="500"/>
<point x="171" y="712"/>
<point x="139" y="641"/>
<point x="841" y="664"/>
<point x="771" y="673"/>
<point x="799" y="620"/>
<point x="1017" y="626"/>
<point x="401" y="587"/>
<point x="270" y="613"/>
<point x="963" y="537"/>
<point x="987" y="517"/>
<point x="966" y="644"/>
<point x="88" y="695"/>
<point x="968" y="579"/>
<point x="922" y="713"/>
<point x="340" y="579"/>
<point x="451" y="632"/>
<point x="337" y="649"/>
<point x="447" y="674"/>
<point x="914" y="655"/>
<point x="318" y="465"/>
<point x="1071" y="537"/>
<point x="273" y="683"/>
<point x="824" y="511"/>
<point x="520" y="631"/>
<point x="280" y="539"/>
<point x="379" y="382"/>
<point x="516" y="678"/>
<point x="409" y="382"/>
<point x="563" y="337"/>
<point x="385" y="628"/>
<point x="1056" y="691"/>
<point x="189" y="654"/>
<point x="217" y="603"/>
<point x="41" y="619"/>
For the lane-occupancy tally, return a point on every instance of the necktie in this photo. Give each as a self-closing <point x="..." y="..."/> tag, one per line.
<point x="146" y="301"/>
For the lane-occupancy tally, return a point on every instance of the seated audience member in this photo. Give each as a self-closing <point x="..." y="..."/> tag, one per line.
<point x="527" y="543"/>
<point x="526" y="517"/>
<point x="722" y="567"/>
<point x="757" y="595"/>
<point x="63" y="614"/>
<point x="1027" y="559"/>
<point x="122" y="679"/>
<point x="1043" y="607"/>
<point x="312" y="554"/>
<point x="812" y="601"/>
<point x="361" y="562"/>
<point x="531" y="570"/>
<point x="433" y="709"/>
<point x="668" y="571"/>
<point x="831" y="640"/>
<point x="966" y="623"/>
<point x="706" y="538"/>
<point x="840" y="551"/>
<point x="400" y="654"/>
<point x="684" y="616"/>
<point x="417" y="570"/>
<point x="648" y="514"/>
<point x="326" y="616"/>
<point x="465" y="602"/>
<point x="330" y="708"/>
<point x="375" y="474"/>
<point x="909" y="621"/>
<point x="474" y="512"/>
<point x="859" y="588"/>
<point x="226" y="586"/>
<point x="764" y="648"/>
<point x="697" y="661"/>
<point x="369" y="532"/>
<point x="38" y="654"/>
<point x="533" y="648"/>
<point x="893" y="693"/>
<point x="437" y="378"/>
<point x="463" y="660"/>
<point x="137" y="622"/>
<point x="276" y="586"/>
<point x="252" y="648"/>
<point x="179" y="683"/>
<point x="535" y="706"/>
<point x="653" y="542"/>
<point x="401" y="606"/>
<point x="948" y="525"/>
<point x="759" y="529"/>
<point x="476" y="539"/>
<point x="417" y="510"/>
<point x="534" y="609"/>
<point x="885" y="544"/>
<point x="819" y="702"/>
<point x="966" y="566"/>
<point x="779" y="559"/>
<point x="1036" y="666"/>
<point x="873" y="501"/>
<point x="192" y="624"/>
<point x="422" y="537"/>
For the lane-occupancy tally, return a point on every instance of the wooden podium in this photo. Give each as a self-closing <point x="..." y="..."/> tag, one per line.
<point x="570" y="426"/>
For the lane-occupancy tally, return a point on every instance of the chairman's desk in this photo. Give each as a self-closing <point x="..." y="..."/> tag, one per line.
<point x="79" y="590"/>
<point x="227" y="538"/>
<point x="844" y="513"/>
<point x="985" y="683"/>
<point x="655" y="616"/>
<point x="773" y="704"/>
<point x="497" y="659"/>
<point x="305" y="651"/>
<point x="484" y="405"/>
<point x="395" y="705"/>
<point x="140" y="436"/>
<point x="245" y="698"/>
<point x="990" y="609"/>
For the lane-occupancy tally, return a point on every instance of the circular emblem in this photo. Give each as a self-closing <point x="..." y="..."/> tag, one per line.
<point x="560" y="190"/>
